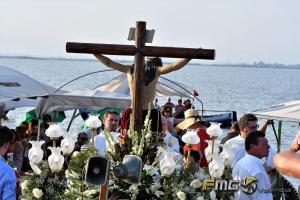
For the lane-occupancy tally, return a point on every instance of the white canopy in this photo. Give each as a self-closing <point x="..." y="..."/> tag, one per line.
<point x="114" y="93"/>
<point x="289" y="111"/>
<point x="164" y="87"/>
<point x="19" y="90"/>
<point x="87" y="99"/>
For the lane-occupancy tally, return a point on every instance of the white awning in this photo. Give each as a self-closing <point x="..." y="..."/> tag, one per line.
<point x="19" y="90"/>
<point x="86" y="99"/>
<point x="289" y="111"/>
<point x="164" y="87"/>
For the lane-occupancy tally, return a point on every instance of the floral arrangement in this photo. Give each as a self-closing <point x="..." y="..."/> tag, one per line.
<point x="77" y="189"/>
<point x="164" y="175"/>
<point x="46" y="185"/>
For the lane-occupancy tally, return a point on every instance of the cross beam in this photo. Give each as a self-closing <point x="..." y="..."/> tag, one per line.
<point x="139" y="50"/>
<point x="130" y="50"/>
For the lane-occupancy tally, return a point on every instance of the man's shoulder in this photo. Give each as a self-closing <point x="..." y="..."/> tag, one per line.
<point x="235" y="139"/>
<point x="249" y="162"/>
<point x="6" y="170"/>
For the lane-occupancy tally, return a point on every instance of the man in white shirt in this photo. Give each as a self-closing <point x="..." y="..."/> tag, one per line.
<point x="247" y="124"/>
<point x="109" y="135"/>
<point x="251" y="165"/>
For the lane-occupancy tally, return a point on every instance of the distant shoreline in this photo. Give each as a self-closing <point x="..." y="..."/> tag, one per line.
<point x="254" y="65"/>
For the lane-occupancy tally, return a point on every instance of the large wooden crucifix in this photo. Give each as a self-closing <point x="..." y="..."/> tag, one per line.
<point x="139" y="50"/>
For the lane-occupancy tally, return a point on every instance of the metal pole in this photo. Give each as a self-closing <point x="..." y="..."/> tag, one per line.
<point x="278" y="176"/>
<point x="73" y="117"/>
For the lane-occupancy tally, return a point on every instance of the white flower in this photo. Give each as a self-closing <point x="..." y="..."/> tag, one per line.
<point x="146" y="121"/>
<point x="227" y="155"/>
<point x="151" y="170"/>
<point x="75" y="175"/>
<point x="24" y="185"/>
<point x="171" y="142"/>
<point x="181" y="195"/>
<point x="70" y="183"/>
<point x="155" y="187"/>
<point x="90" y="192"/>
<point x="191" y="137"/>
<point x="208" y="151"/>
<point x="196" y="183"/>
<point x="216" y="167"/>
<point x="167" y="164"/>
<point x="93" y="122"/>
<point x="148" y="135"/>
<point x="200" y="198"/>
<point x="156" y="179"/>
<point x="201" y="175"/>
<point x="159" y="193"/>
<point x="75" y="153"/>
<point x="68" y="143"/>
<point x="133" y="188"/>
<point x="37" y="193"/>
<point x="214" y="130"/>
<point x="213" y="195"/>
<point x="55" y="131"/>
<point x="67" y="174"/>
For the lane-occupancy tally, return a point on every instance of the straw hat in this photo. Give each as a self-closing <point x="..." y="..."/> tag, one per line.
<point x="191" y="116"/>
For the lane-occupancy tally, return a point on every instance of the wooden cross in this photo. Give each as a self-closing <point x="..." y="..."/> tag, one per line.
<point x="139" y="50"/>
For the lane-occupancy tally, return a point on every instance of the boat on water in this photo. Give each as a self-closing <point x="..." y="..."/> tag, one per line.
<point x="224" y="118"/>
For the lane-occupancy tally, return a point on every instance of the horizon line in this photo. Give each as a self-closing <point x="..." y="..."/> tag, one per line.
<point x="256" y="63"/>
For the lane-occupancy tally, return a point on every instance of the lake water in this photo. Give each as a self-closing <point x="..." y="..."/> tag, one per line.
<point x="242" y="89"/>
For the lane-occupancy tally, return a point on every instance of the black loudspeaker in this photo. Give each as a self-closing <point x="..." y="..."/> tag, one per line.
<point x="97" y="170"/>
<point x="130" y="170"/>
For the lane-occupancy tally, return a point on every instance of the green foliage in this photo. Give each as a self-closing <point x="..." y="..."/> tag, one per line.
<point x="76" y="187"/>
<point x="53" y="186"/>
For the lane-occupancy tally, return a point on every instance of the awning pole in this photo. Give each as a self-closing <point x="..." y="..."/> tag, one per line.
<point x="278" y="176"/>
<point x="73" y="117"/>
<point x="275" y="133"/>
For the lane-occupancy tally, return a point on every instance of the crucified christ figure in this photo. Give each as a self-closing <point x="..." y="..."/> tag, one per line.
<point x="153" y="70"/>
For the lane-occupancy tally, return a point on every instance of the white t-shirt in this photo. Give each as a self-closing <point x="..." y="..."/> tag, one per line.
<point x="102" y="144"/>
<point x="252" y="166"/>
<point x="237" y="145"/>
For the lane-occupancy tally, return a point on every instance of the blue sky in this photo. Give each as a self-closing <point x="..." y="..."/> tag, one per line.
<point x="241" y="31"/>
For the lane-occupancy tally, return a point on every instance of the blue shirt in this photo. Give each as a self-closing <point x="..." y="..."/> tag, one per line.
<point x="7" y="181"/>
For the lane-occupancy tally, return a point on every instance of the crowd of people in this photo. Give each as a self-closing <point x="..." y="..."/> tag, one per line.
<point x="253" y="156"/>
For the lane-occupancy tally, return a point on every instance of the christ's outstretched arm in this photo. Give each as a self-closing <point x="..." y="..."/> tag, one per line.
<point x="109" y="63"/>
<point x="173" y="67"/>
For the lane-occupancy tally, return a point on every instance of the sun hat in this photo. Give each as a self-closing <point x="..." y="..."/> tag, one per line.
<point x="191" y="116"/>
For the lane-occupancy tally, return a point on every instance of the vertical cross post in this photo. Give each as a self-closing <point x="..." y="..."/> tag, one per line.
<point x="139" y="69"/>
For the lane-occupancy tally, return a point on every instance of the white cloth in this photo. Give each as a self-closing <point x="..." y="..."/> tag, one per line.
<point x="252" y="166"/>
<point x="237" y="144"/>
<point x="102" y="144"/>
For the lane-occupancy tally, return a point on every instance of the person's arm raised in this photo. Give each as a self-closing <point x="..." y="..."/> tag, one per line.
<point x="264" y="127"/>
<point x="109" y="63"/>
<point x="173" y="67"/>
